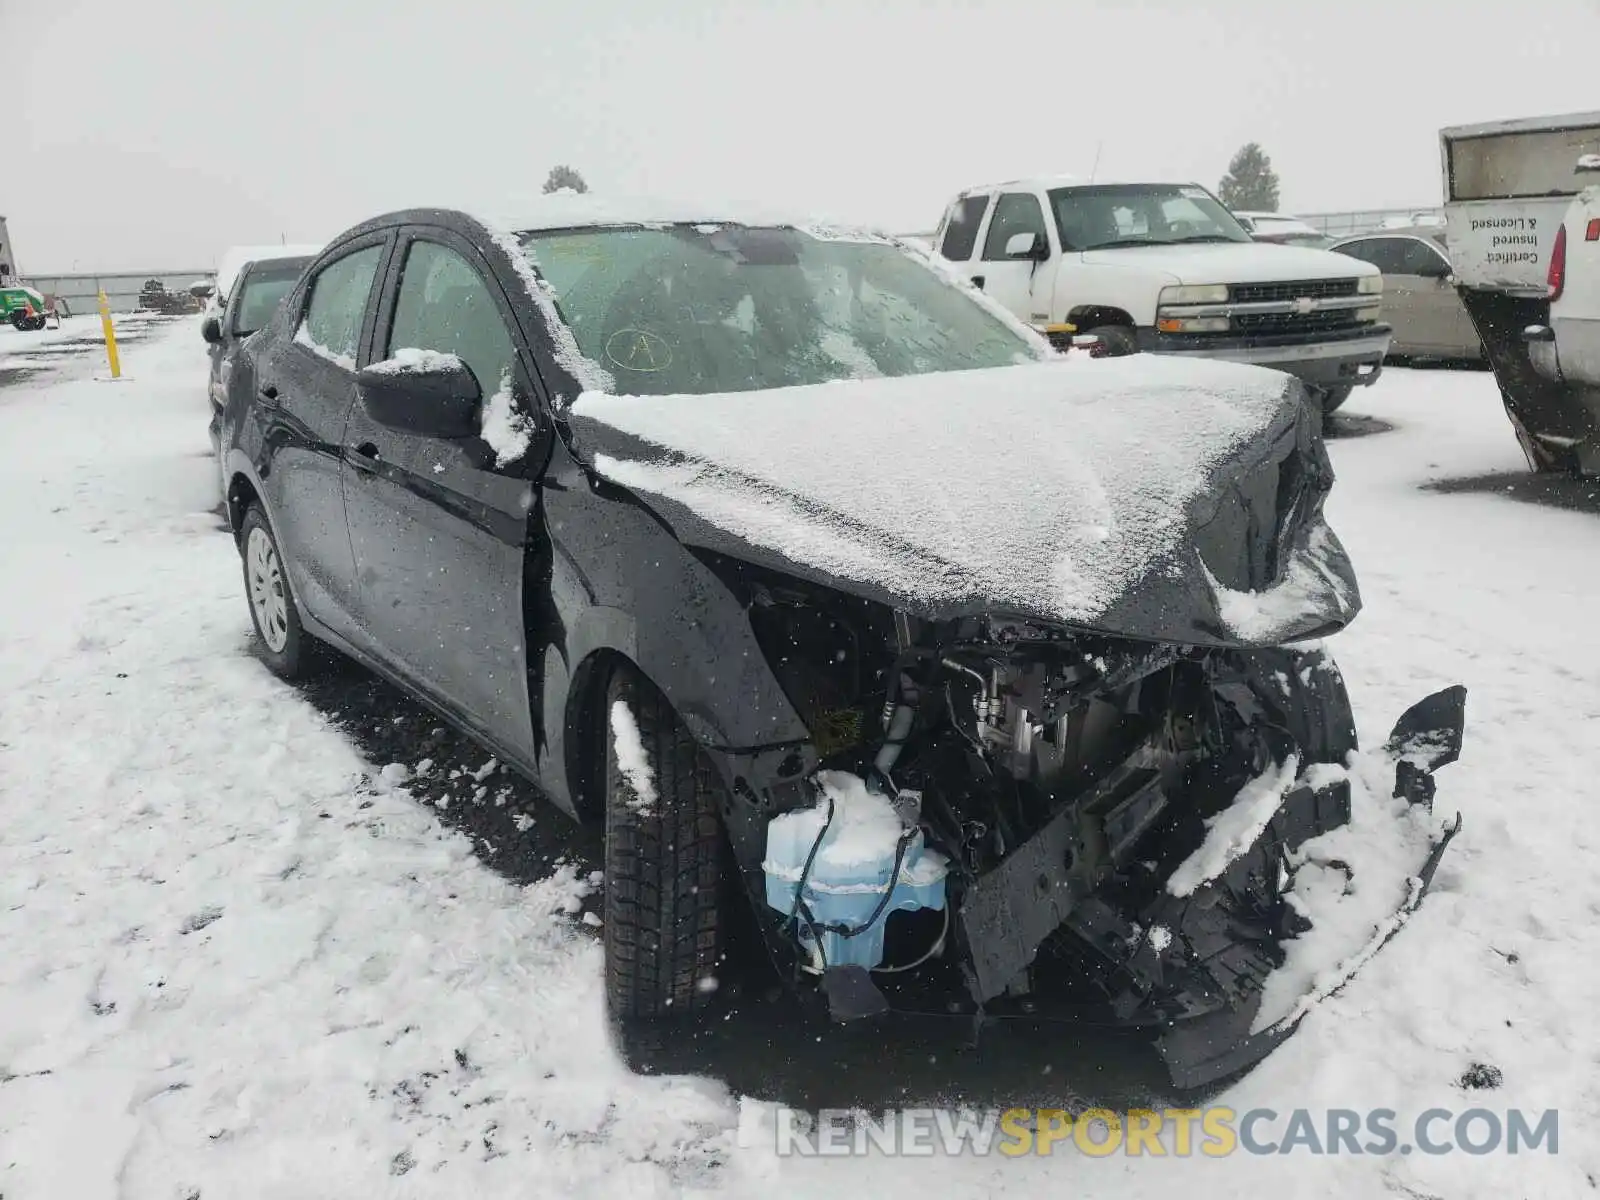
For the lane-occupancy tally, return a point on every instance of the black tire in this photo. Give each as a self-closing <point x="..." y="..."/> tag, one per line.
<point x="665" y="884"/>
<point x="1332" y="398"/>
<point x="287" y="648"/>
<point x="19" y="321"/>
<point x="1117" y="339"/>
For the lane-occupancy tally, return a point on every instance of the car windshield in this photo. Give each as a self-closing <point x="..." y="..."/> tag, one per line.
<point x="1101" y="217"/>
<point x="728" y="308"/>
<point x="264" y="288"/>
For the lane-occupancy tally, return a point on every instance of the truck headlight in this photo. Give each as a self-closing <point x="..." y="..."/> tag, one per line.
<point x="1192" y="324"/>
<point x="1370" y="285"/>
<point x="1195" y="293"/>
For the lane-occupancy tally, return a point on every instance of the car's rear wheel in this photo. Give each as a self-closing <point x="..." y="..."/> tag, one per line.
<point x="664" y="894"/>
<point x="285" y="645"/>
<point x="19" y="321"/>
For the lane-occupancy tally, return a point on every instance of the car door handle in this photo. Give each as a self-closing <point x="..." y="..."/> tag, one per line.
<point x="977" y="281"/>
<point x="364" y="458"/>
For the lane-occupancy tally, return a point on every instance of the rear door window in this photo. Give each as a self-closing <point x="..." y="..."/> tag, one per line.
<point x="1389" y="255"/>
<point x="1386" y="253"/>
<point x="338" y="305"/>
<point x="1014" y="213"/>
<point x="961" y="234"/>
<point x="1419" y="258"/>
<point x="1361" y="250"/>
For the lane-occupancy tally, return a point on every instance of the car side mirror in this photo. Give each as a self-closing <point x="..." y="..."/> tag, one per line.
<point x="1027" y="246"/>
<point x="211" y="330"/>
<point x="432" y="395"/>
<point x="1587" y="164"/>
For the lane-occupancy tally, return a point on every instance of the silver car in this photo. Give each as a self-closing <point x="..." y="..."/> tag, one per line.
<point x="1283" y="230"/>
<point x="1419" y="294"/>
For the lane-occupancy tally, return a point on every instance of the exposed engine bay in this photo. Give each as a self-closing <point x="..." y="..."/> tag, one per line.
<point x="1003" y="806"/>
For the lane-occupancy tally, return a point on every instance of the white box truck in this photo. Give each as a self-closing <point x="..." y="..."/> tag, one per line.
<point x="1523" y="227"/>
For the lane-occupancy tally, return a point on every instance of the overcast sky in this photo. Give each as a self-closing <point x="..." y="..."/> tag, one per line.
<point x="151" y="134"/>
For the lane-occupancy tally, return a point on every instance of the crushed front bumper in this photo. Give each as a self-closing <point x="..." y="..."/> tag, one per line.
<point x="1212" y="1047"/>
<point x="1201" y="980"/>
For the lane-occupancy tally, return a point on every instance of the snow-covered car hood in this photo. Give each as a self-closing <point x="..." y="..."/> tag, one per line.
<point x="1232" y="262"/>
<point x="1143" y="497"/>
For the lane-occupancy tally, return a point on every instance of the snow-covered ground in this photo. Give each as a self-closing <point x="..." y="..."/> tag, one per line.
<point x="240" y="961"/>
<point x="56" y="345"/>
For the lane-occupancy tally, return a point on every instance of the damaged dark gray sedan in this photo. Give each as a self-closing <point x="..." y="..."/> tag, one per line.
<point x="987" y="676"/>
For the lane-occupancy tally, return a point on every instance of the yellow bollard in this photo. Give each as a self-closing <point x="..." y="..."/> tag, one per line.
<point x="111" y="336"/>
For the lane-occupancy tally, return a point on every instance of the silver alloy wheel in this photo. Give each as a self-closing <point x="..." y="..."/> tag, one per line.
<point x="267" y="598"/>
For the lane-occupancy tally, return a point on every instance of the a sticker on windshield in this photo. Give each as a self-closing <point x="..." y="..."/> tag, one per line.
<point x="1194" y="193"/>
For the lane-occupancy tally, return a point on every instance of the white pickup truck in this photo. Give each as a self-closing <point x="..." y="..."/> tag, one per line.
<point x="1523" y="216"/>
<point x="1165" y="268"/>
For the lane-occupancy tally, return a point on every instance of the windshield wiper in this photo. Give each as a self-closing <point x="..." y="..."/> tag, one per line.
<point x="1118" y="245"/>
<point x="1203" y="237"/>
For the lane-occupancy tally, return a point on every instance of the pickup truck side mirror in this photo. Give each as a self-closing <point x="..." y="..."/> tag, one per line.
<point x="211" y="330"/>
<point x="1028" y="246"/>
<point x="1587" y="164"/>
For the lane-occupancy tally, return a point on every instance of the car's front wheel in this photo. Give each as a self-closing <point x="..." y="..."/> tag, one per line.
<point x="1332" y="397"/>
<point x="1117" y="340"/>
<point x="664" y="915"/>
<point x="285" y="645"/>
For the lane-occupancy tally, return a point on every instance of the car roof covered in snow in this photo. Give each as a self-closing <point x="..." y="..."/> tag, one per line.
<point x="569" y="210"/>
<point x="1432" y="234"/>
<point x="1045" y="183"/>
<point x="235" y="258"/>
<point x="1280" y="222"/>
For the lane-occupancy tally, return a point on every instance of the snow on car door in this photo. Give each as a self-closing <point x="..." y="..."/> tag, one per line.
<point x="1022" y="282"/>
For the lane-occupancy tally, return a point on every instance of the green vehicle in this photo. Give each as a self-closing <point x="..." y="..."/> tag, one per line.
<point x="22" y="306"/>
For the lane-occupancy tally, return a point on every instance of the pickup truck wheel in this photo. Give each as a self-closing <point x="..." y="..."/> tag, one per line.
<point x="1332" y="398"/>
<point x="1118" y="340"/>
<point x="19" y="321"/>
<point x="664" y="918"/>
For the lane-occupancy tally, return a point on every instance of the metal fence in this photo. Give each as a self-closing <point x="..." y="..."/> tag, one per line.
<point x="1348" y="224"/>
<point x="82" y="292"/>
